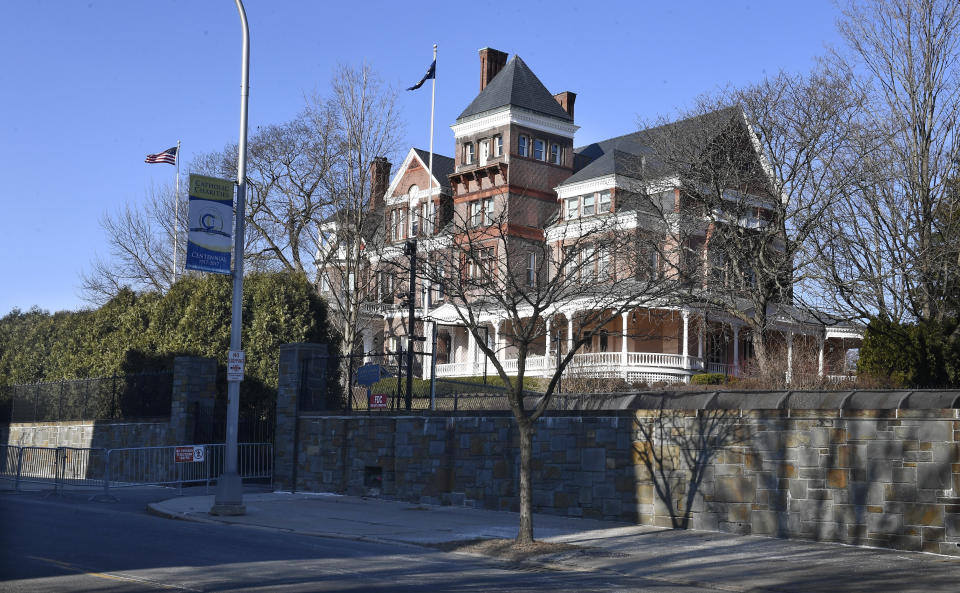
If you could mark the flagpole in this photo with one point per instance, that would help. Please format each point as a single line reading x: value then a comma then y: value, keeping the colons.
x: 433, y: 97
x: 176, y: 215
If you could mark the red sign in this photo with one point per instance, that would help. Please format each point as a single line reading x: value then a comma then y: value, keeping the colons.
x: 188, y: 454
x: 378, y: 400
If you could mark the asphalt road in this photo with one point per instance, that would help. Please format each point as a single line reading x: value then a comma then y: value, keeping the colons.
x: 68, y: 543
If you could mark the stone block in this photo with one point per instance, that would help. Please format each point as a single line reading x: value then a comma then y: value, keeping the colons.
x: 905, y: 474
x: 768, y: 523
x: 736, y: 489
x: 934, y: 476
x: 884, y: 523
x: 951, y: 522
x: 884, y: 450
x: 923, y: 514
x: 593, y: 459
x: 861, y: 429
x: 837, y: 478
x: 936, y: 430
x: 798, y: 489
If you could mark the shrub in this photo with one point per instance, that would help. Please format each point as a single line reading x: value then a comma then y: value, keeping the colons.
x: 708, y: 379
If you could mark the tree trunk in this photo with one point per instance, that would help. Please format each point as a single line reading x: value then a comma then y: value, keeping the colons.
x: 525, y: 534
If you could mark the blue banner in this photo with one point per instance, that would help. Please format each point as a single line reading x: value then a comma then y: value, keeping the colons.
x: 210, y: 240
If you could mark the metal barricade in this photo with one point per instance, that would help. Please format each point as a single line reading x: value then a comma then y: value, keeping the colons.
x: 62, y: 467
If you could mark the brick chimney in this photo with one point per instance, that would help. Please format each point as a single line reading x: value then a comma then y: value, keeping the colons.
x: 566, y: 99
x: 492, y: 62
x: 379, y: 181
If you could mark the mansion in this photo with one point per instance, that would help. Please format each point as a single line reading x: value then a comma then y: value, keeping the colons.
x: 516, y: 169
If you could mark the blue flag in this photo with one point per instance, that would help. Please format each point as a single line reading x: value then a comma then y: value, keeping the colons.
x: 431, y: 73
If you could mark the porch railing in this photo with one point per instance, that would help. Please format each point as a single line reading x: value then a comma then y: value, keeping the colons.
x: 588, y: 364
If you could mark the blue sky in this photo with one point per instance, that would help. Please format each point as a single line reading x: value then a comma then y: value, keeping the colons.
x: 90, y: 88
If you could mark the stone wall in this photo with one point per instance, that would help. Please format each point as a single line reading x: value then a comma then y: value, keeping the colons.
x: 886, y: 478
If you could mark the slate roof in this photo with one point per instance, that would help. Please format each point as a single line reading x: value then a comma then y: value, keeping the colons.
x: 634, y: 153
x: 443, y: 166
x: 518, y: 86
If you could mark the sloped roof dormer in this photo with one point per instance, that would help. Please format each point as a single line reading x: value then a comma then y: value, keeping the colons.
x: 515, y: 86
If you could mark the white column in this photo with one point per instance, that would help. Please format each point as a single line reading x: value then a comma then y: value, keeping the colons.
x: 546, y: 347
x: 496, y: 338
x: 686, y: 337
x: 700, y: 335
x: 569, y: 332
x: 736, y: 350
x: 789, y: 357
x: 427, y: 349
x: 471, y: 353
x: 820, y: 342
x: 623, y: 344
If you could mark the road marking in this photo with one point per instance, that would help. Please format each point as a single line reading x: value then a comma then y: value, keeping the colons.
x: 111, y: 576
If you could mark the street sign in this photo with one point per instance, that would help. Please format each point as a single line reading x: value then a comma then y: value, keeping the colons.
x: 189, y: 454
x: 368, y: 374
x: 236, y: 359
x: 377, y: 401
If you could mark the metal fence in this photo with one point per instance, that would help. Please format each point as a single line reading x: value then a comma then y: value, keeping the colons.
x: 142, y: 395
x: 66, y: 467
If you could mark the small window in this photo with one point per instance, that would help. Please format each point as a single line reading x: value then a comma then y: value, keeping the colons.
x: 604, y: 202
x: 555, y: 154
x: 523, y: 146
x: 588, y: 263
x: 484, y: 151
x: 603, y: 264
x: 588, y: 205
x: 488, y: 211
x: 532, y: 269
x: 497, y: 145
x: 468, y: 153
x: 573, y: 208
x: 539, y: 150
x: 475, y: 213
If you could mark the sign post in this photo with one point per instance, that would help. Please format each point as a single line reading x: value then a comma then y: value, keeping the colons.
x: 229, y: 498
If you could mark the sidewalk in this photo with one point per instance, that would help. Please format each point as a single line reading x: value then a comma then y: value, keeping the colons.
x: 715, y: 561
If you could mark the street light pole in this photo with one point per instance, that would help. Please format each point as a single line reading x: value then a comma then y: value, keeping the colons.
x: 229, y: 498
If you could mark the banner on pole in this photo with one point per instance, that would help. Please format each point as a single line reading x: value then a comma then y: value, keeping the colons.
x: 210, y: 240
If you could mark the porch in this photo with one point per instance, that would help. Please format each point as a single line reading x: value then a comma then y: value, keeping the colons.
x: 647, y: 345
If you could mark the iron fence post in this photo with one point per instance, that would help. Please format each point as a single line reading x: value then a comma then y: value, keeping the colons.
x: 58, y: 470
x: 106, y: 472
x: 16, y: 486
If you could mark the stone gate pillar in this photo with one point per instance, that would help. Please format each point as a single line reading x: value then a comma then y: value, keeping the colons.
x: 194, y: 385
x: 291, y: 375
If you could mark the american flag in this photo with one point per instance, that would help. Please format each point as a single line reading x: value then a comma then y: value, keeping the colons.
x: 168, y: 156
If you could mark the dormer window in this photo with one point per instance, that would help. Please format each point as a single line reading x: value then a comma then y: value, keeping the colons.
x: 604, y: 202
x: 589, y: 205
x: 468, y: 153
x: 555, y: 154
x: 523, y: 146
x: 539, y: 150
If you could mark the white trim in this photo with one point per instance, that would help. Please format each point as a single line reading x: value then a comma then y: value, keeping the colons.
x: 513, y: 115
x: 391, y: 200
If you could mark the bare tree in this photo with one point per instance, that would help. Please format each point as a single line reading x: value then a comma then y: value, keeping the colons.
x: 141, y: 248
x: 590, y: 270
x: 893, y: 248
x: 756, y: 181
x: 367, y: 127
